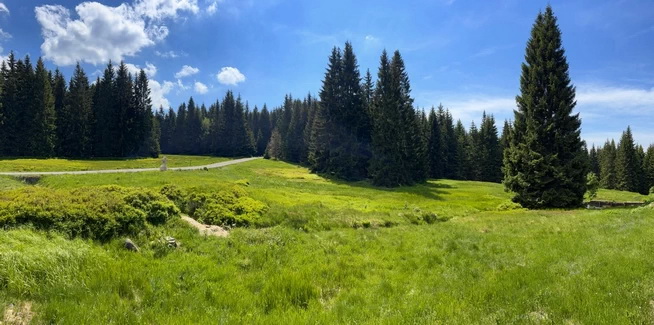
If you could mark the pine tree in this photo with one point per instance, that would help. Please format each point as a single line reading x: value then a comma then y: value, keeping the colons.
x: 398, y: 149
x: 9, y: 103
x: 626, y: 164
x: 42, y: 136
x: 265, y: 130
x: 74, y: 119
x: 607, y: 159
x: 344, y: 119
x: 593, y: 162
x: 491, y: 150
x: 103, y: 108
x: 544, y: 165
x: 435, y: 150
x: 60, y: 92
x: 460, y: 161
x: 146, y: 129
x: 449, y: 145
x: 123, y: 114
x: 648, y: 169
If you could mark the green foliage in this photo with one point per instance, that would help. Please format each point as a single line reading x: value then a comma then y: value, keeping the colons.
x: 227, y: 208
x: 592, y: 185
x: 545, y: 163
x: 100, y: 212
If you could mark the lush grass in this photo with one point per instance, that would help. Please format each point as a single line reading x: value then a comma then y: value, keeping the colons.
x: 55, y: 165
x: 614, y: 195
x: 482, y: 266
x: 301, y: 199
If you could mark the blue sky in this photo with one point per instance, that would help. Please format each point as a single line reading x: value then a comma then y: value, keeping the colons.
x: 463, y: 54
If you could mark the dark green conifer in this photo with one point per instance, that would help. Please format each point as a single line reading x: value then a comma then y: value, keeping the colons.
x: 544, y: 165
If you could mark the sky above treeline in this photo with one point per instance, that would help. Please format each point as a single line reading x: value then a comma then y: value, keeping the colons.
x: 463, y: 54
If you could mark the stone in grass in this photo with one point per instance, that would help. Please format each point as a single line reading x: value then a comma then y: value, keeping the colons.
x: 129, y: 245
x: 171, y: 242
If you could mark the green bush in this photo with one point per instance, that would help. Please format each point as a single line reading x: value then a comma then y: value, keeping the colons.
x: 230, y: 207
x: 508, y: 206
x: 92, y: 212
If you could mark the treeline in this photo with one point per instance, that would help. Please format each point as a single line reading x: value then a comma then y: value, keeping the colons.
x: 625, y: 166
x: 227, y: 128
x: 43, y: 116
x: 361, y: 129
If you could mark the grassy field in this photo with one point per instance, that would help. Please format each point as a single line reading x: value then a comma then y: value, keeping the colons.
x: 55, y: 165
x: 337, y: 252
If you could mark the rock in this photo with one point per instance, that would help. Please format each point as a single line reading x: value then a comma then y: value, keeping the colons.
x: 171, y: 242
x: 129, y: 244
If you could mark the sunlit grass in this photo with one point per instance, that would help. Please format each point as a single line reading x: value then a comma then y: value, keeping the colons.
x: 47, y: 165
x: 318, y: 265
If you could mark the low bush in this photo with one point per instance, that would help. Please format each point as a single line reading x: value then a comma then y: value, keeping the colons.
x: 230, y: 206
x: 100, y: 212
x: 509, y: 206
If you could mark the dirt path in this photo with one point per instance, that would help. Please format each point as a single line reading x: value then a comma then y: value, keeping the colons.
x: 134, y: 170
x: 206, y: 229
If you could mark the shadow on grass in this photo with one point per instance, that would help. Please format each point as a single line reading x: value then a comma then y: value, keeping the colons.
x: 429, y: 189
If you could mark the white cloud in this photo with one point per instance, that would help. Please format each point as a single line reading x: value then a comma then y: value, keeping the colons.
x: 212, y: 8
x: 371, y: 38
x: 158, y: 93
x: 150, y: 69
x: 168, y: 54
x: 629, y: 100
x: 181, y: 85
x: 160, y: 9
x: 186, y: 71
x: 101, y: 33
x: 3, y: 8
x: 605, y: 110
x: 230, y: 76
x: 201, y: 88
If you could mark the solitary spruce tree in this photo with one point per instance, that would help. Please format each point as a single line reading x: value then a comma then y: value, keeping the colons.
x: 545, y: 165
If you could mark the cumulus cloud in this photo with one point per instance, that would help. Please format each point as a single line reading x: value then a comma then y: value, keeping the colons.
x: 186, y: 71
x: 201, y: 88
x: 3, y: 8
x: 181, y: 85
x: 150, y: 69
x: 230, y: 76
x: 158, y: 93
x: 101, y: 33
x: 160, y: 9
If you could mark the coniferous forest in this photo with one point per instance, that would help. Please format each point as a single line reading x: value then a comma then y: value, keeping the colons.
x: 361, y: 126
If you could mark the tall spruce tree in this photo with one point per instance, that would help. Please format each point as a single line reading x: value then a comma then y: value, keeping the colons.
x: 41, y: 137
x: 593, y: 162
x: 74, y: 119
x: 60, y: 92
x: 607, y: 159
x: 344, y: 120
x: 398, y: 149
x: 544, y: 165
x: 435, y: 149
x: 627, y: 166
x: 491, y: 150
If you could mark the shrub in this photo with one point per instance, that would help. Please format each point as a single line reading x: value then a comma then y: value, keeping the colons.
x: 99, y: 212
x: 230, y: 207
x: 508, y: 206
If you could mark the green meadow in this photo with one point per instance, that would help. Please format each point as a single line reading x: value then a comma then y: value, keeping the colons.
x: 328, y: 251
x: 55, y: 165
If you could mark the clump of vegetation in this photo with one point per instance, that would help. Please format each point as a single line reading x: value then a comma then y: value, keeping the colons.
x: 508, y: 206
x: 227, y: 207
x: 101, y: 212
x: 418, y: 217
x: 592, y: 185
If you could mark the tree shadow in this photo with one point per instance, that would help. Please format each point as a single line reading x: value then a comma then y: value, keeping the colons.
x: 430, y: 189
